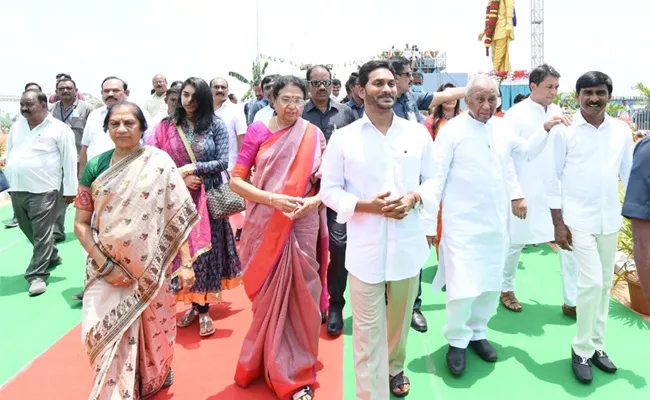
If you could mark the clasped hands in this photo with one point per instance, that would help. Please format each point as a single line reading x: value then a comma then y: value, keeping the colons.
x: 294, y: 207
x: 397, y: 208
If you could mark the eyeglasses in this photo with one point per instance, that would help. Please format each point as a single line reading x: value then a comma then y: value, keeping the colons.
x: 286, y: 101
x: 325, y: 83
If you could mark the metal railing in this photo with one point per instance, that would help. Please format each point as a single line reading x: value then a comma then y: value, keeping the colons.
x: 642, y: 119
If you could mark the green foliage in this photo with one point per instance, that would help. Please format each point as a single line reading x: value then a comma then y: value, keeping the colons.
x: 613, y: 109
x: 625, y: 242
x: 257, y: 73
x: 645, y: 91
x: 567, y: 100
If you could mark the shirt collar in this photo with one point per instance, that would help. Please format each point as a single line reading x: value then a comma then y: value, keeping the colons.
x: 578, y: 119
x: 353, y: 103
x: 366, y: 121
x: 331, y: 104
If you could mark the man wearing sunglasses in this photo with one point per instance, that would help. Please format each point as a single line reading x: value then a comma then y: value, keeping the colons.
x: 330, y: 115
x: 408, y: 106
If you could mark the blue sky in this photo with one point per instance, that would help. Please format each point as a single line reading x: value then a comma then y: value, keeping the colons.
x: 139, y: 38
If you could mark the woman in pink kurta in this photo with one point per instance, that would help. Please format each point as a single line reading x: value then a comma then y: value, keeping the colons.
x: 284, y: 246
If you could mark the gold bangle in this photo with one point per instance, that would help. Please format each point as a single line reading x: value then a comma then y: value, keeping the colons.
x: 187, y: 265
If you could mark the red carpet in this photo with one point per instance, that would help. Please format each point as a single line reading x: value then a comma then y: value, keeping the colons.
x: 203, y: 368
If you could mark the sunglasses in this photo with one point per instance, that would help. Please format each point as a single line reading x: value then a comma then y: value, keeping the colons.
x: 325, y: 83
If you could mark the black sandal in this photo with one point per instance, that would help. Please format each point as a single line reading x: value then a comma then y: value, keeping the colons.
x: 397, y: 382
x: 169, y: 380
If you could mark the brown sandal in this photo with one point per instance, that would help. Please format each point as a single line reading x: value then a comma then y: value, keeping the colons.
x: 510, y: 301
x: 398, y: 382
x: 187, y: 319
x: 206, y: 328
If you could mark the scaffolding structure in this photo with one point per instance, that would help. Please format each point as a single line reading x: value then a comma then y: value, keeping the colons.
x: 536, y: 33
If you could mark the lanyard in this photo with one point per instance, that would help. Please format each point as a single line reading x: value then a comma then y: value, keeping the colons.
x: 65, y: 117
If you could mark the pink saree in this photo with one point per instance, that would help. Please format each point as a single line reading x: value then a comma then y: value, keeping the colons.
x: 285, y: 261
x: 166, y: 138
x: 142, y: 216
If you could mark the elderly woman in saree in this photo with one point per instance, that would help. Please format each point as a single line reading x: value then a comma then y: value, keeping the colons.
x: 284, y: 245
x: 197, y: 141
x: 134, y: 216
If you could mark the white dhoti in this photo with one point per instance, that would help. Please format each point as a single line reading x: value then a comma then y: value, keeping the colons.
x: 467, y: 318
x: 380, y: 332
x: 595, y: 256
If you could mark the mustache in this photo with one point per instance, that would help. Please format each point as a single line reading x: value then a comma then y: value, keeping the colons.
x: 322, y: 91
x: 386, y: 96
x: 594, y: 104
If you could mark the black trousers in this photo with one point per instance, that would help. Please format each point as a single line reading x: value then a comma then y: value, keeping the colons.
x: 337, y: 275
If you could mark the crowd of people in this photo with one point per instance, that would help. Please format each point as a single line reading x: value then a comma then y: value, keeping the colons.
x: 339, y: 190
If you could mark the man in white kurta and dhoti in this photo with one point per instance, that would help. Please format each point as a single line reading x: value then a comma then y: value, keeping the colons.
x: 377, y: 175
x: 472, y: 153
x: 527, y: 182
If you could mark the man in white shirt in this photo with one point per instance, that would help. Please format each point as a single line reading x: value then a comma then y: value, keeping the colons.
x: 171, y: 98
x: 156, y: 103
x: 376, y: 171
x: 95, y: 140
x: 41, y: 159
x: 235, y: 121
x: 526, y: 186
x: 472, y: 153
x: 590, y: 157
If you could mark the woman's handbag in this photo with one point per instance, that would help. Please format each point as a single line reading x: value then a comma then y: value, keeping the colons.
x: 222, y: 202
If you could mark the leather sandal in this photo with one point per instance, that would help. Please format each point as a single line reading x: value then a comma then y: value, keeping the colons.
x: 510, y: 301
x: 206, y: 327
x: 398, y: 382
x: 187, y: 319
x: 303, y: 394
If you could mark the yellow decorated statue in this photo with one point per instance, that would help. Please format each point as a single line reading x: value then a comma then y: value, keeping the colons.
x: 500, y: 21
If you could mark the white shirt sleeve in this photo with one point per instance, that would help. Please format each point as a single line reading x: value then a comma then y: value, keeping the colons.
x: 68, y: 151
x: 527, y: 150
x: 554, y: 189
x: 86, y: 137
x: 426, y: 190
x: 441, y: 158
x: 626, y: 163
x: 239, y: 123
x: 332, y: 190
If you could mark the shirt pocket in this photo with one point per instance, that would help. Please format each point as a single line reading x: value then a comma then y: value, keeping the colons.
x: 77, y: 123
x: 44, y: 145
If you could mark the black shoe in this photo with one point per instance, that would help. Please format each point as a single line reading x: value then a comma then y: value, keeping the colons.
x: 581, y: 368
x: 323, y: 317
x: 484, y: 350
x: 12, y: 224
x: 456, y: 360
x: 334, y: 322
x: 238, y: 234
x: 78, y: 297
x: 59, y: 239
x: 418, y: 322
x: 601, y: 360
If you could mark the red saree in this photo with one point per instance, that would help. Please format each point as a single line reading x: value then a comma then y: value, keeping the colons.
x: 285, y: 261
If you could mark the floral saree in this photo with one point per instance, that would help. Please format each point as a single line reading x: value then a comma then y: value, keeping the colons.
x: 143, y: 213
x: 285, y: 261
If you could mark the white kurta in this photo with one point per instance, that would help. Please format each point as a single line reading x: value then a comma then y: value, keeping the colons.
x: 361, y: 163
x: 530, y: 179
x: 471, y: 160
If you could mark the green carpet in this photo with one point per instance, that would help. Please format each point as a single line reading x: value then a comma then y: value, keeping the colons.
x: 32, y: 325
x: 534, y: 346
